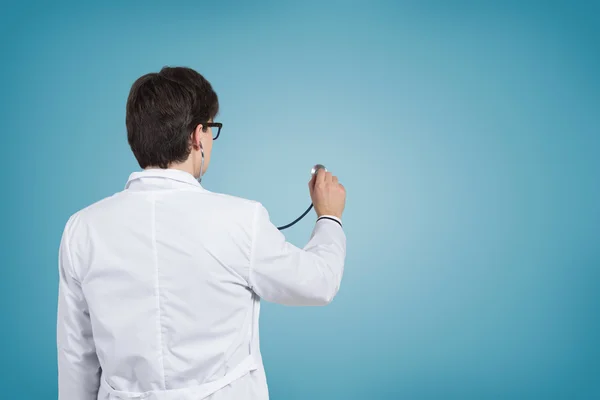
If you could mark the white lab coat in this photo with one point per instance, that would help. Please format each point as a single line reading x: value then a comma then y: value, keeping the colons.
x: 160, y: 285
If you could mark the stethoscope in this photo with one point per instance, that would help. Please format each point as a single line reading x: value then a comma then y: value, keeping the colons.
x: 313, y: 172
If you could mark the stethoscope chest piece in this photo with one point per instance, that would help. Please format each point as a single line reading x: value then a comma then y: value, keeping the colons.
x: 316, y: 168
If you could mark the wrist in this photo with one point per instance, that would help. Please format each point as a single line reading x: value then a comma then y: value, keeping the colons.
x: 329, y: 214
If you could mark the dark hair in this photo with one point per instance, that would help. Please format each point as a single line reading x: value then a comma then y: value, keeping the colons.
x: 163, y: 109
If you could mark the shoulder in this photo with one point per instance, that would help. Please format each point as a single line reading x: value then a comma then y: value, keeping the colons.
x: 237, y: 208
x: 86, y: 216
x: 220, y: 206
x: 231, y: 200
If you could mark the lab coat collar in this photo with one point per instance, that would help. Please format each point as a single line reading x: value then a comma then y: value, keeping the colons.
x: 173, y: 174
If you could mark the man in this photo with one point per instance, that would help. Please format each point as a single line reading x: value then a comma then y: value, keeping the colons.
x: 160, y: 283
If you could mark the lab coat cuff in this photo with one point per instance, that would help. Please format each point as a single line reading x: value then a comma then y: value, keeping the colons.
x: 331, y: 218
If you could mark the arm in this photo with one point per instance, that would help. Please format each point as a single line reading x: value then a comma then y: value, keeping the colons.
x: 78, y: 365
x: 285, y: 274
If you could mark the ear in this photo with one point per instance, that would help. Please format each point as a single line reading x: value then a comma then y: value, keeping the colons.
x: 195, y: 137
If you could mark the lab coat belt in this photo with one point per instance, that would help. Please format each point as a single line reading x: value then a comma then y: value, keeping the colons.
x: 195, y: 392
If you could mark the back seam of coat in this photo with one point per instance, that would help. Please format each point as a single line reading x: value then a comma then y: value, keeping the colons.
x: 157, y: 295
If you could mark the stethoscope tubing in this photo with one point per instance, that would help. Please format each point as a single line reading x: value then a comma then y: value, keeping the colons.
x: 313, y: 172
x: 297, y: 219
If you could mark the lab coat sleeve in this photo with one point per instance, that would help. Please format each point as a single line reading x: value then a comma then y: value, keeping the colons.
x: 283, y: 273
x: 78, y: 365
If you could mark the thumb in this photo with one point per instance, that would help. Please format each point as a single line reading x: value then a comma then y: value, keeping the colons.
x: 311, y: 183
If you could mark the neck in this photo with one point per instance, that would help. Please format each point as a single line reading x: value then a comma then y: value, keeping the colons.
x: 185, y: 166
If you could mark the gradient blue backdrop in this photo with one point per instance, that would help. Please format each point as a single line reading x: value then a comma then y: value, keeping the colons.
x: 467, y: 136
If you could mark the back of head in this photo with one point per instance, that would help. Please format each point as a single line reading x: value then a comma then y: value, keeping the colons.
x: 163, y: 110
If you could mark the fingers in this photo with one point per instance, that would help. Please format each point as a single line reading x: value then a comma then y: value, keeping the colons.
x: 322, y: 177
x: 321, y: 174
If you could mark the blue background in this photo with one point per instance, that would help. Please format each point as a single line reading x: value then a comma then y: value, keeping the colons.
x: 467, y: 136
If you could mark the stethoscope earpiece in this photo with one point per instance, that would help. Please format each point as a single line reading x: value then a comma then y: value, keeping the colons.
x: 201, y: 163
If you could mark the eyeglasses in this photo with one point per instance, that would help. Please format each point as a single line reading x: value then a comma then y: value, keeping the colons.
x: 217, y: 125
